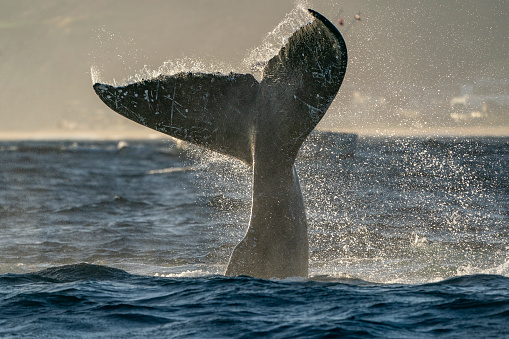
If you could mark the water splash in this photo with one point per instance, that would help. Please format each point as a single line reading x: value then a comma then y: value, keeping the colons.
x: 115, y: 53
x: 414, y: 210
x: 258, y: 57
x: 111, y: 43
x: 96, y: 74
x: 171, y: 67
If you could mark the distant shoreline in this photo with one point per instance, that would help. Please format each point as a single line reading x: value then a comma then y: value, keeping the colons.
x: 82, y: 135
x: 501, y: 131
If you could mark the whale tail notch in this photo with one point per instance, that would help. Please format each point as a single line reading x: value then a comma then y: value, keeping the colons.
x: 262, y: 124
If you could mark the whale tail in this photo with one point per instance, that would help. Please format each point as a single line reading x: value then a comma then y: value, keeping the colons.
x: 261, y: 123
x: 221, y: 111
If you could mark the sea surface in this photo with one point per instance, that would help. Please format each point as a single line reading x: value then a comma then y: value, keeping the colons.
x: 408, y: 239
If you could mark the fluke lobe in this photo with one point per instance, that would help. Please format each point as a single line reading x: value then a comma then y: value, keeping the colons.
x: 261, y: 123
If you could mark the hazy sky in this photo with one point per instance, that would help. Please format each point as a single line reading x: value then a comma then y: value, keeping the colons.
x: 47, y: 47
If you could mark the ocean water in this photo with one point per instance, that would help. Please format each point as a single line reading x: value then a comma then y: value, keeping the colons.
x: 408, y: 239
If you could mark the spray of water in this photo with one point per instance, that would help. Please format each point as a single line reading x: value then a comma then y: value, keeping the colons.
x: 409, y: 211
x: 259, y: 56
x: 96, y: 74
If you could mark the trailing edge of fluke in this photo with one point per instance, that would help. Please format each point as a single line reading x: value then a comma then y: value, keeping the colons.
x: 261, y: 123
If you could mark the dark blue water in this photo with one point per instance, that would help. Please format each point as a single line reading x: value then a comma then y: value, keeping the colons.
x: 408, y: 238
x: 97, y: 301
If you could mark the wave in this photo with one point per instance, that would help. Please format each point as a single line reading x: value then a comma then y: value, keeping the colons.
x: 103, y: 205
x: 141, y: 147
x: 82, y: 271
x: 100, y: 301
x: 485, y: 280
x: 42, y: 147
x: 89, y: 272
x: 170, y: 170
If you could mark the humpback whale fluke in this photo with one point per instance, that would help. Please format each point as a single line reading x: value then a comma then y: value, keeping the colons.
x: 261, y: 123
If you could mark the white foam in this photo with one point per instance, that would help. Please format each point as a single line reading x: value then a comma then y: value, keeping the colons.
x: 502, y: 269
x: 185, y: 274
x: 170, y: 170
